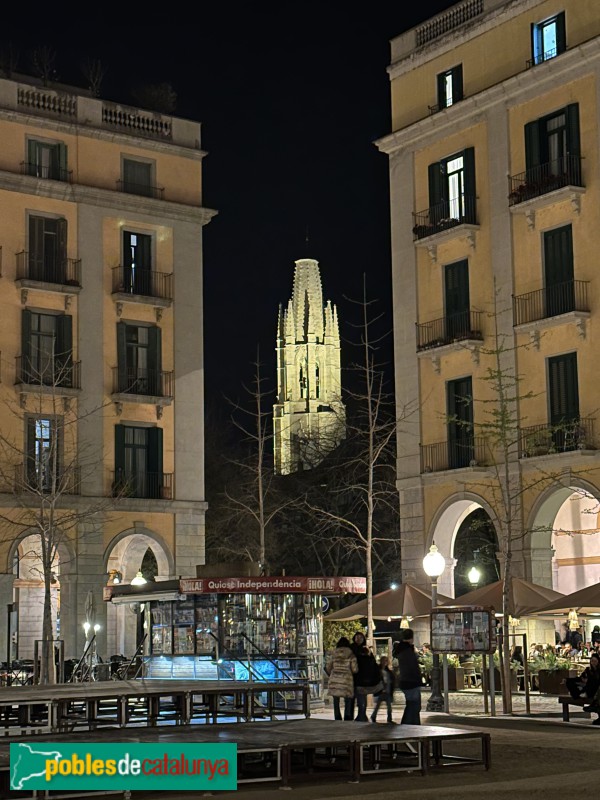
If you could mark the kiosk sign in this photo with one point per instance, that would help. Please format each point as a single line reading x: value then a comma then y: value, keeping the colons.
x: 463, y: 629
x: 275, y: 584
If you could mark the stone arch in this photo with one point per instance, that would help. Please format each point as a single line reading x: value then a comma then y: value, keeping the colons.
x: 541, y: 524
x: 444, y: 526
x: 125, y: 553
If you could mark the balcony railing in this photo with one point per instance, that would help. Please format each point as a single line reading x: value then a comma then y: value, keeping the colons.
x: 444, y: 23
x: 141, y: 189
x: 37, y: 267
x: 445, y: 330
x: 48, y: 172
x: 132, y: 380
x: 535, y: 182
x: 57, y: 373
x: 44, y: 479
x: 144, y: 282
x: 150, y: 485
x: 551, y: 302
x: 570, y: 435
x: 444, y: 216
x: 541, y: 57
x: 468, y: 452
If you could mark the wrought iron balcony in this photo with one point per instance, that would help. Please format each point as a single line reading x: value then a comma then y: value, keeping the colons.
x: 445, y: 330
x: 535, y: 182
x: 38, y: 267
x: 142, y: 282
x: 151, y: 382
x: 444, y: 216
x: 58, y: 373
x: 570, y: 435
x: 141, y: 189
x: 551, y: 302
x: 150, y: 485
x: 46, y: 479
x: 541, y: 57
x: 49, y: 172
x: 468, y: 452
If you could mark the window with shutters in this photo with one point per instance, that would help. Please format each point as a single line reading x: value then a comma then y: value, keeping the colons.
x: 563, y: 400
x: 139, y: 359
x: 47, y: 349
x: 47, y: 256
x: 451, y: 191
x: 559, y: 275
x: 42, y: 448
x: 456, y: 300
x: 459, y: 395
x: 450, y: 87
x: 548, y: 39
x: 138, y: 178
x: 138, y: 462
x: 47, y: 160
x: 137, y: 263
x: 552, y: 155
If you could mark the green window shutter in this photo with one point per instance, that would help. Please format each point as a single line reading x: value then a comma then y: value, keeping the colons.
x: 441, y: 90
x: 155, y: 462
x: 32, y: 156
x: 564, y: 390
x: 36, y: 248
x: 30, y: 449
x: 532, y: 145
x: 437, y: 184
x: 558, y: 256
x: 119, y: 451
x: 154, y: 360
x: 62, y: 161
x: 122, y: 355
x: 144, y: 254
x: 573, y: 145
x: 456, y: 288
x: 64, y: 350
x: 470, y: 189
x: 457, y: 83
x: 26, y: 344
x: 561, y: 33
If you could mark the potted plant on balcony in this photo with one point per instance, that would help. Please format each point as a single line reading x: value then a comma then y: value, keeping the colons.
x: 539, y: 443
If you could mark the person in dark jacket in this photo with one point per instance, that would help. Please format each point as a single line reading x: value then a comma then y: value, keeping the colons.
x: 588, y: 682
x: 386, y: 695
x: 596, y: 636
x: 366, y: 681
x: 410, y: 677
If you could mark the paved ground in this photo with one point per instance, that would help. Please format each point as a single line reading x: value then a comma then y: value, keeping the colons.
x: 536, y: 756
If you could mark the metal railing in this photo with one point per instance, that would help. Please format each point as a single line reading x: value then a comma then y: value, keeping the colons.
x: 550, y: 302
x: 45, y: 479
x: 37, y: 267
x: 144, y: 282
x: 151, y: 382
x: 445, y: 330
x: 565, y: 437
x: 537, y: 181
x: 57, y: 373
x: 149, y: 485
x: 141, y: 189
x: 444, y: 216
x: 46, y: 171
x: 441, y: 456
x: 541, y: 57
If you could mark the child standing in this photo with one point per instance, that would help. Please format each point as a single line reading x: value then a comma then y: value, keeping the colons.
x: 387, y: 693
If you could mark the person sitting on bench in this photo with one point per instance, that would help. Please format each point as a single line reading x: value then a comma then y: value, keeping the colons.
x: 588, y: 684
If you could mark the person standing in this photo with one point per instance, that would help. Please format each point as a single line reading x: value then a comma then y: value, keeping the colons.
x: 386, y: 695
x: 341, y: 668
x: 410, y: 677
x: 366, y: 681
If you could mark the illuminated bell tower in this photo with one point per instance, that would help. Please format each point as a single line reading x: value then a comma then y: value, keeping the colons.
x: 308, y: 417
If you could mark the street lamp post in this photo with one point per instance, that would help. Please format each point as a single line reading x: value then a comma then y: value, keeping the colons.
x: 434, y: 564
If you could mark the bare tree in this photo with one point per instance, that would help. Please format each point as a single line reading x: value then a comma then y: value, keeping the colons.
x: 43, y: 60
x: 9, y: 59
x: 93, y: 71
x: 361, y: 515
x: 43, y: 471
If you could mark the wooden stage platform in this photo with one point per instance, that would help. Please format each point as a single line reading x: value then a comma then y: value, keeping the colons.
x: 66, y: 706
x: 288, y: 751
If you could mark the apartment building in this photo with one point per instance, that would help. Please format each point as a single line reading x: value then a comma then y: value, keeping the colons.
x: 495, y: 182
x: 102, y: 356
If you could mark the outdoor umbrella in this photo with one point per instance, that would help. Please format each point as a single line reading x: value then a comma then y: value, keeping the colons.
x: 405, y: 601
x: 584, y: 601
x: 524, y: 597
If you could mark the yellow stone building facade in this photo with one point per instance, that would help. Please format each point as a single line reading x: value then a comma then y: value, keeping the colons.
x: 495, y: 184
x: 102, y: 354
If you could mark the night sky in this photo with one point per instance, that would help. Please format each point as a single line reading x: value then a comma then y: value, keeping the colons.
x: 291, y: 98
